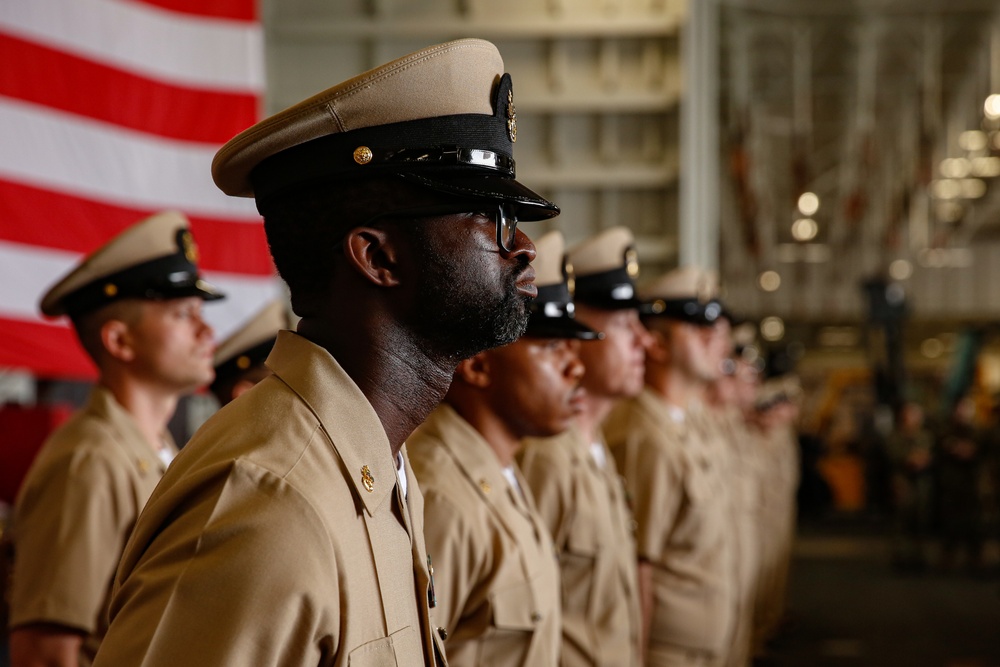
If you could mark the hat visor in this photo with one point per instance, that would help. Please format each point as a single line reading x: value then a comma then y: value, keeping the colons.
x: 560, y: 327
x: 529, y: 205
x: 199, y: 288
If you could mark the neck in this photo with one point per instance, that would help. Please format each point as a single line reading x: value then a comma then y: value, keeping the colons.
x: 495, y: 431
x: 673, y: 386
x: 595, y: 410
x: 402, y: 383
x: 151, y: 407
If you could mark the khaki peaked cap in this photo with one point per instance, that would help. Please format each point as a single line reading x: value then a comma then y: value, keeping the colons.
x: 552, y: 311
x: 251, y: 343
x: 606, y: 266
x: 689, y: 294
x: 156, y: 258
x: 442, y: 118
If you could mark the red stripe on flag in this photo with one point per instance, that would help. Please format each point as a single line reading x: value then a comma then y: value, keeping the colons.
x: 63, y: 357
x: 56, y: 79
x: 241, y: 10
x: 56, y: 220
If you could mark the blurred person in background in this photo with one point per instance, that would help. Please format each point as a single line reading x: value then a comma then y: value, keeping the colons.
x: 136, y: 307
x: 959, y: 471
x: 775, y: 419
x: 910, y: 450
x: 239, y: 359
x: 675, y: 471
x: 731, y: 401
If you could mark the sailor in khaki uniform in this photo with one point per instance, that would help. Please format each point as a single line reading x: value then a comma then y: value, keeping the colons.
x: 573, y: 477
x: 776, y: 413
x: 290, y: 529
x: 731, y: 401
x: 135, y: 304
x: 239, y: 359
x: 674, y: 475
x: 495, y: 570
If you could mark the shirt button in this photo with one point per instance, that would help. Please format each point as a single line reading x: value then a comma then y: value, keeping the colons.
x: 442, y: 633
x: 535, y: 617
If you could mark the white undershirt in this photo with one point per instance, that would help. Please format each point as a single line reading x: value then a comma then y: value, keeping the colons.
x: 676, y: 413
x: 597, y: 451
x: 166, y: 455
x: 401, y: 473
x: 508, y: 472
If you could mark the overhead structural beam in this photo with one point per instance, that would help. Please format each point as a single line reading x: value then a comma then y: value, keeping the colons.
x: 700, y: 117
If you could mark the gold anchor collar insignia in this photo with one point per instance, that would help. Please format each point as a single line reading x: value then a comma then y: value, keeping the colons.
x: 367, y: 479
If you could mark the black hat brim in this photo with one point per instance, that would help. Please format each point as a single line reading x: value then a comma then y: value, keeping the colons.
x: 529, y: 205
x: 560, y: 327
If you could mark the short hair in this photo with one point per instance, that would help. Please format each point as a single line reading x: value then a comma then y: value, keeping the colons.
x: 304, y: 225
x: 88, y: 325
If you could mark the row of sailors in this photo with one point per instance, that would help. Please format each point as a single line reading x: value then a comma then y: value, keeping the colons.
x: 580, y: 496
x: 631, y: 440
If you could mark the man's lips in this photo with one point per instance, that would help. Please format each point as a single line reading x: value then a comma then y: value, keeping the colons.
x: 526, y: 282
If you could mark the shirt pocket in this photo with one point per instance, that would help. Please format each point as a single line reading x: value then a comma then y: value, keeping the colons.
x: 400, y: 649
x: 514, y: 607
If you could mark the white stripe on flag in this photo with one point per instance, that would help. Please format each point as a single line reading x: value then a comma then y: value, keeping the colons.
x: 215, y: 53
x: 27, y: 272
x: 52, y: 150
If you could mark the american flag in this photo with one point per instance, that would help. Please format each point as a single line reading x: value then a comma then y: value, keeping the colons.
x: 111, y: 110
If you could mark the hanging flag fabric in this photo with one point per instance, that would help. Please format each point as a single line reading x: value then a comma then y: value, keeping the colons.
x: 111, y: 110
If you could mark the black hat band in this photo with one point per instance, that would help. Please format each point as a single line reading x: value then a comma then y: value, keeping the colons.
x: 611, y: 289
x: 687, y: 310
x: 245, y: 360
x: 463, y: 142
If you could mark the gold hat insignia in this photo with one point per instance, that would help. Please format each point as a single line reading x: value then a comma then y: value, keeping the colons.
x: 511, y: 117
x: 632, y: 262
x: 189, y: 247
x: 569, y: 275
x: 367, y: 479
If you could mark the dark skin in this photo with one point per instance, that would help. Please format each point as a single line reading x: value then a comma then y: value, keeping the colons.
x: 363, y: 319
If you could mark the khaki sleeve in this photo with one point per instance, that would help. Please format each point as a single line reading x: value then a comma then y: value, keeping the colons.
x: 243, y: 573
x: 656, y: 491
x: 460, y: 556
x: 70, y: 529
x: 549, y: 481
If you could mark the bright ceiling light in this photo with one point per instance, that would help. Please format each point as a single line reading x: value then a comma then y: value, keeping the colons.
x: 973, y: 140
x: 986, y: 167
x: 808, y: 203
x: 900, y: 269
x: 932, y: 348
x: 972, y: 188
x: 955, y: 167
x: 772, y: 328
x: 769, y: 281
x: 946, y: 189
x: 992, y: 107
x: 804, y: 229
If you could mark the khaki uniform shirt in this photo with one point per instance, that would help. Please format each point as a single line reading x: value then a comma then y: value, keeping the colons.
x: 496, y: 575
x: 279, y: 536
x: 74, y: 514
x: 742, y: 453
x: 680, y: 502
x: 583, y: 504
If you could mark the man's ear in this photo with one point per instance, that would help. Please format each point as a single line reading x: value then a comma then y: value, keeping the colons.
x: 475, y: 372
x: 373, y: 253
x: 116, y: 338
x: 658, y: 348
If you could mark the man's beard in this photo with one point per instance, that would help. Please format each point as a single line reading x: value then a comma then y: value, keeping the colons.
x: 460, y: 311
